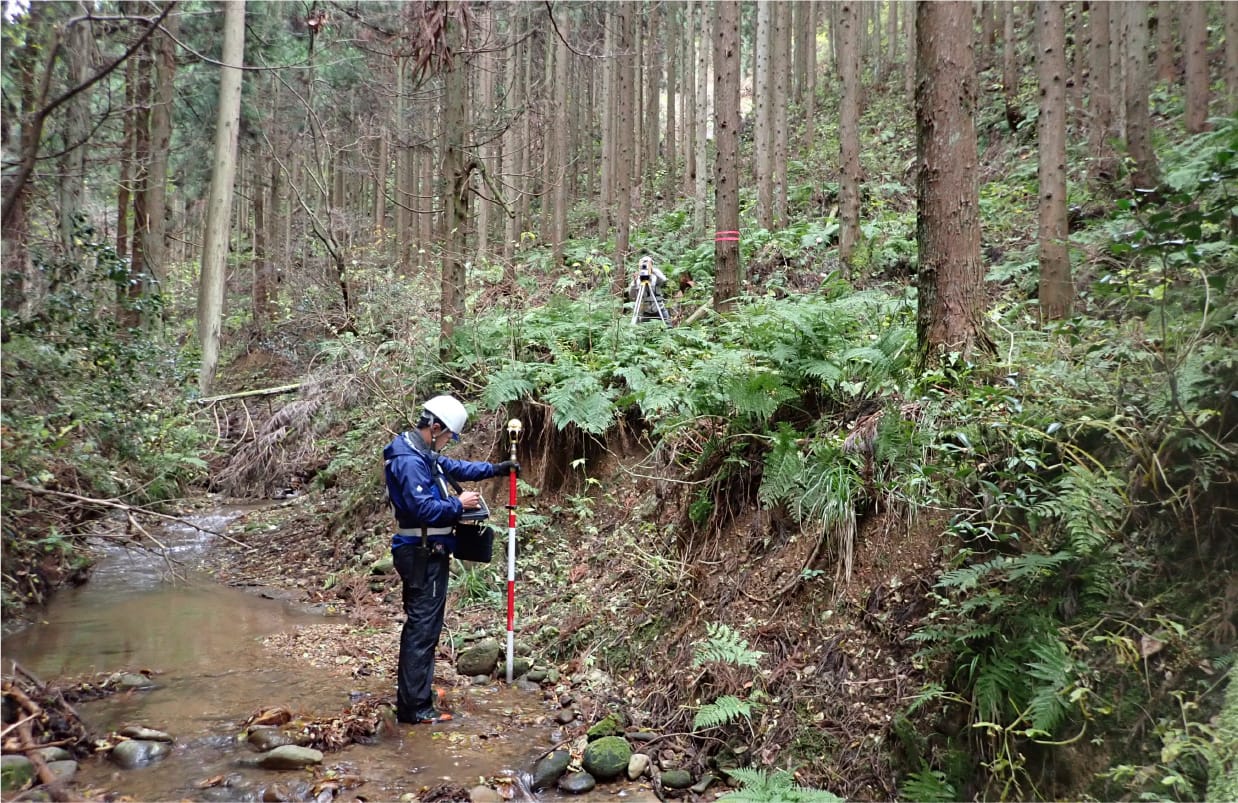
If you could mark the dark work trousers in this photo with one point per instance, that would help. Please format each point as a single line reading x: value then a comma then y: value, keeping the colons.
x: 423, y: 623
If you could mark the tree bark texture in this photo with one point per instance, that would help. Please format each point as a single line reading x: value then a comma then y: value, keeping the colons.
x: 561, y: 157
x: 726, y: 165
x: 1145, y: 174
x: 1118, y: 13
x: 951, y: 275
x: 219, y: 204
x: 1056, y: 288
x: 139, y: 272
x: 1195, y: 43
x: 609, y: 127
x: 625, y: 137
x: 1100, y: 108
x: 1163, y: 22
x: 781, y: 64
x: 456, y: 172
x: 849, y: 131
x: 654, y: 45
x: 1231, y: 58
x: 76, y: 132
x: 809, y: 78
x: 124, y: 162
x: 691, y: 42
x: 156, y: 246
x: 763, y: 101
x: 701, y: 138
x: 670, y: 153
x: 1010, y: 68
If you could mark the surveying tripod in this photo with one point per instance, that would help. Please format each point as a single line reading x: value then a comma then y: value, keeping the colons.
x: 646, y: 293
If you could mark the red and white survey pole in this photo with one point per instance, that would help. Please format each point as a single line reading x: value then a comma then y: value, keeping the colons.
x: 513, y: 435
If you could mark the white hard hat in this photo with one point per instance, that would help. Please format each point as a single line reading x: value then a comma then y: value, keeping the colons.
x: 449, y: 411
x: 646, y: 261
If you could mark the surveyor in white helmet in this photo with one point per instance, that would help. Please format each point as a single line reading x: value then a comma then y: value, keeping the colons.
x: 649, y: 275
x: 419, y: 485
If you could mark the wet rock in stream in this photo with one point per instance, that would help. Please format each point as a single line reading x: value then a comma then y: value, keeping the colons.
x: 577, y: 783
x: 286, y: 757
x: 133, y: 753
x: 547, y: 771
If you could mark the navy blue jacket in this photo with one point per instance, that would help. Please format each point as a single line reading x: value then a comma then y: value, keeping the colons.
x: 419, y: 496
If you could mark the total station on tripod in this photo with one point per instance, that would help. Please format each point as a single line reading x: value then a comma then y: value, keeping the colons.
x: 646, y: 293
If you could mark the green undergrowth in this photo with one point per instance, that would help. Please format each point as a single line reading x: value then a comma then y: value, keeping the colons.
x: 1083, y: 473
x: 92, y: 411
x: 1085, y: 466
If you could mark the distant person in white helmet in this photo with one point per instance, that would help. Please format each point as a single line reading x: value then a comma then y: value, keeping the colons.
x: 419, y: 484
x: 646, y: 291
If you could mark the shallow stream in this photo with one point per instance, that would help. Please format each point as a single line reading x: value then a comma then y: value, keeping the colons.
x: 201, y: 642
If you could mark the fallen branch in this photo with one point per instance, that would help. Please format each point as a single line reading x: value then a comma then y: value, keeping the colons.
x: 31, y: 748
x: 112, y: 503
x: 17, y: 724
x: 698, y: 314
x: 29, y: 745
x: 247, y: 393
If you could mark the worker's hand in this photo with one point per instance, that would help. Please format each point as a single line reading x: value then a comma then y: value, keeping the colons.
x: 505, y: 467
x: 470, y: 500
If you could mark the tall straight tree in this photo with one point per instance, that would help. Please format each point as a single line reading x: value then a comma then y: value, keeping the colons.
x: 1145, y: 174
x: 219, y: 203
x: 849, y: 129
x: 1231, y: 58
x: 650, y: 102
x: 1195, y: 43
x: 949, y: 315
x: 1100, y: 108
x: 763, y: 99
x: 781, y: 63
x: 563, y: 127
x: 610, y: 153
x: 160, y: 143
x: 487, y: 67
x: 1056, y: 288
x: 726, y: 160
x: 625, y: 134
x: 72, y: 179
x: 139, y: 272
x: 124, y: 160
x: 691, y: 41
x: 701, y: 138
x: 1010, y: 68
x: 674, y: 34
x: 806, y: 70
x: 457, y: 168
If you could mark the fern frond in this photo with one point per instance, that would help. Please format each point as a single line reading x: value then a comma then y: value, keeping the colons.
x: 725, y: 646
x: 725, y: 709
x: 1035, y: 565
x: 779, y: 787
x: 996, y: 679
x: 581, y: 400
x: 927, y: 786
x: 512, y: 382
x: 822, y: 368
x: 784, y: 468
x: 1055, y: 670
x: 968, y: 577
x: 1093, y: 506
x: 757, y: 393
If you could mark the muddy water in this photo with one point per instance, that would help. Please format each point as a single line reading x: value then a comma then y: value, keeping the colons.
x: 201, y: 642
